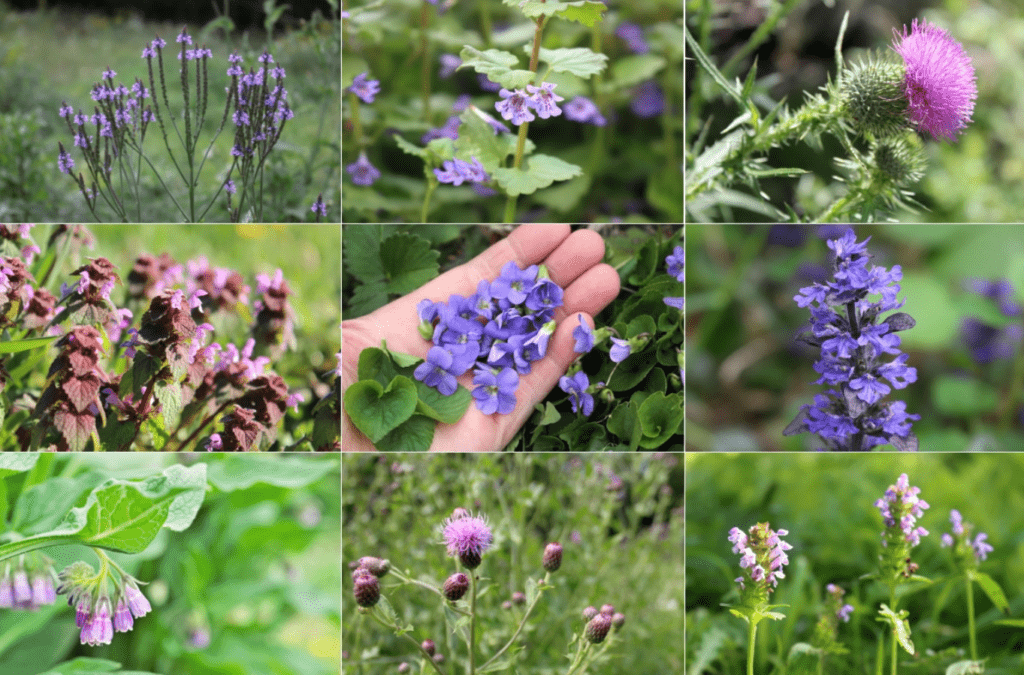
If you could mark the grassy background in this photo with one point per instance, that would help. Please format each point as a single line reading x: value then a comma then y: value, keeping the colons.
x: 52, y: 56
x: 826, y: 503
x: 629, y: 554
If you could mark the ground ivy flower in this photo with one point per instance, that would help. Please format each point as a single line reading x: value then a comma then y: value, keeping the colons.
x: 854, y: 338
x: 365, y: 88
x: 576, y: 386
x: 544, y: 100
x: 939, y: 81
x: 455, y: 171
x: 467, y: 538
x: 582, y: 109
x: 515, y: 106
x: 362, y: 172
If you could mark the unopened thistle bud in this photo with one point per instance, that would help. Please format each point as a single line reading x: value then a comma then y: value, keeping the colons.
x: 608, y: 609
x: 873, y: 98
x: 376, y: 566
x: 618, y: 619
x: 438, y: 658
x: 901, y: 159
x: 597, y: 629
x: 429, y: 647
x: 518, y: 598
x: 552, y: 557
x: 456, y: 586
x: 367, y: 590
x: 589, y: 613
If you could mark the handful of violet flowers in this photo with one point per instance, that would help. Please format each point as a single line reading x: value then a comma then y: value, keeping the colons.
x: 854, y: 338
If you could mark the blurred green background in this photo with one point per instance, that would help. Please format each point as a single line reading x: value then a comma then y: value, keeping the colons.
x: 747, y: 376
x: 976, y: 179
x: 619, y: 520
x: 255, y: 576
x: 826, y: 503
x: 50, y: 56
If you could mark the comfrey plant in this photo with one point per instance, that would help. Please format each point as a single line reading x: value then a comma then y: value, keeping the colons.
x: 467, y: 538
x: 872, y: 108
x: 762, y: 557
x: 855, y: 341
x: 900, y: 508
x: 117, y: 515
x: 136, y: 365
x: 111, y: 139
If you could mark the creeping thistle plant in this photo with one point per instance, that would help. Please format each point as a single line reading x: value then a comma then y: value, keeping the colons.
x: 876, y: 109
x: 112, y: 138
x: 468, y: 538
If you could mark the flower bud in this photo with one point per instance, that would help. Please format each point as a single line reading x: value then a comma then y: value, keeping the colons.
x: 597, y: 629
x: 873, y: 98
x: 376, y: 566
x: 367, y: 590
x: 518, y: 598
x: 608, y: 609
x: 618, y: 619
x: 456, y: 586
x: 901, y: 159
x: 471, y: 559
x: 589, y: 613
x: 404, y: 667
x: 459, y: 512
x: 361, y: 572
x: 438, y: 658
x: 429, y: 647
x: 507, y: 605
x: 552, y: 557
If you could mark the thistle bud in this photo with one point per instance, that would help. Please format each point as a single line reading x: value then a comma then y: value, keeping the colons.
x: 552, y: 557
x: 597, y: 629
x: 376, y: 566
x: 618, y: 619
x: 471, y: 559
x: 518, y: 598
x: 429, y: 647
x: 404, y: 667
x: 438, y: 658
x: 507, y: 605
x: 873, y: 98
x: 459, y: 512
x: 456, y: 586
x: 367, y: 590
x: 589, y: 613
x: 608, y: 609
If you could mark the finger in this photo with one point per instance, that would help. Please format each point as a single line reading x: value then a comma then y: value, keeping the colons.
x: 590, y: 293
x: 578, y: 253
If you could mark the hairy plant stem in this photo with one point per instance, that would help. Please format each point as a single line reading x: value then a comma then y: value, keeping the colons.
x: 390, y: 626
x: 895, y: 641
x: 425, y: 52
x: 970, y: 619
x: 538, y: 32
x: 472, y: 623
x: 432, y: 184
x: 751, y: 640
x: 519, y: 629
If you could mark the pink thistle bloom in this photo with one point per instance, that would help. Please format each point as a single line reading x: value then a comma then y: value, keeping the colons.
x: 939, y: 83
x: 468, y: 534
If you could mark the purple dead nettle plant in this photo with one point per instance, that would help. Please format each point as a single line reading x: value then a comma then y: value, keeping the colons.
x: 467, y: 538
x: 900, y: 508
x: 111, y: 139
x: 855, y: 342
x: 762, y: 556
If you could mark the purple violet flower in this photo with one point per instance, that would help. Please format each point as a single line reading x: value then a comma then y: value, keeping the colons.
x: 939, y: 83
x: 584, y: 336
x: 496, y: 390
x: 514, y: 284
x: 363, y: 173
x: 620, y: 350
x: 365, y: 88
x: 576, y: 386
x: 676, y: 263
x: 436, y: 371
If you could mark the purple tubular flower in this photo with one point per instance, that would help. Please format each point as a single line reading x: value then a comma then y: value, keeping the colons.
x: 65, y: 163
x: 854, y: 338
x: 436, y: 371
x: 576, y: 386
x: 514, y: 107
x: 455, y: 171
x: 449, y: 63
x: 43, y: 592
x: 365, y: 88
x: 634, y: 37
x: 939, y: 82
x: 123, y: 621
x: 496, y: 390
x: 648, y: 100
x: 362, y: 172
x: 137, y: 602
x: 544, y: 100
x: 762, y: 555
x: 677, y: 302
x: 844, y: 613
x: 22, y: 589
x: 582, y: 109
x: 319, y: 208
x: 620, y: 350
x: 584, y: 336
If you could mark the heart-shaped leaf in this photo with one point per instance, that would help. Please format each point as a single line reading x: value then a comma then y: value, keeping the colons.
x: 375, y: 410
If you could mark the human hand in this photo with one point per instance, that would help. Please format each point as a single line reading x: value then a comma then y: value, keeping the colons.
x: 574, y: 262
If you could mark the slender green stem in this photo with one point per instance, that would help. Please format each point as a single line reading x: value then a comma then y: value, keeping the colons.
x: 538, y: 32
x: 1013, y: 394
x: 379, y: 619
x: 751, y: 640
x: 970, y: 619
x: 472, y: 623
x: 892, y: 600
x: 432, y: 184
x: 357, y: 123
x: 22, y: 546
x: 425, y: 51
x: 581, y: 654
x: 519, y: 629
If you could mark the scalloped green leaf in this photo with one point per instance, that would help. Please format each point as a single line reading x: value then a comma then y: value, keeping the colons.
x: 413, y: 435
x: 585, y: 12
x: 540, y: 172
x: 408, y: 262
x: 241, y: 472
x: 578, y: 61
x: 16, y: 463
x: 498, y: 65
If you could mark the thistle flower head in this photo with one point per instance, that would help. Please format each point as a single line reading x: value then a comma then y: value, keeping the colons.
x: 366, y: 590
x: 939, y: 82
x: 597, y: 628
x: 552, y: 557
x: 467, y: 538
x: 375, y: 566
x: 456, y: 586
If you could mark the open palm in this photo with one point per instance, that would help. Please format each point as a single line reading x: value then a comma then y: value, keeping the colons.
x: 574, y: 262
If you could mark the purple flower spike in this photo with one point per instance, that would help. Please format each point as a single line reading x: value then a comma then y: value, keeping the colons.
x: 584, y: 336
x: 762, y: 557
x: 515, y: 106
x: 939, y: 83
x: 496, y: 390
x: 362, y: 172
x: 436, y: 371
x: 365, y: 88
x: 544, y: 100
